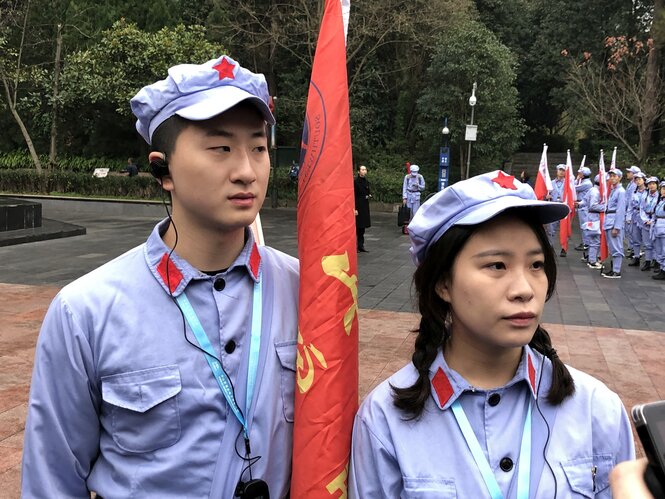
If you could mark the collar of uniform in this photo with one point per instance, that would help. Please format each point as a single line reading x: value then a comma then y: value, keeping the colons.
x: 181, y: 272
x: 448, y: 385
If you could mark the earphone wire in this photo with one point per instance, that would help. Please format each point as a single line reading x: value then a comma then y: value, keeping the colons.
x: 547, y: 439
x: 182, y: 314
x: 248, y: 458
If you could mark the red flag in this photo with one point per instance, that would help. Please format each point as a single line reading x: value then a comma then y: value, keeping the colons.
x: 543, y: 180
x: 327, y: 359
x: 569, y: 198
x: 603, y: 188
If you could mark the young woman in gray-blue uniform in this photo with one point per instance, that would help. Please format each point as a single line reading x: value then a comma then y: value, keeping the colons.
x: 486, y: 408
x: 647, y: 209
x: 615, y: 218
x: 582, y: 186
x: 633, y: 221
x: 169, y: 372
x: 659, y: 233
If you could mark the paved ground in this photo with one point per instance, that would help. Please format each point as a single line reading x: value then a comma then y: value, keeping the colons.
x: 614, y: 330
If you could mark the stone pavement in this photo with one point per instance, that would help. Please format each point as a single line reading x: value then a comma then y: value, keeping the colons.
x: 614, y: 330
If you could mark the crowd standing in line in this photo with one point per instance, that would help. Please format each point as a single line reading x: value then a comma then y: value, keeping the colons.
x: 632, y: 220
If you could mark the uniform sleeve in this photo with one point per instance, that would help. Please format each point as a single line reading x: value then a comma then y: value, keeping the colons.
x: 374, y: 471
x: 595, y: 205
x: 421, y: 183
x: 62, y: 427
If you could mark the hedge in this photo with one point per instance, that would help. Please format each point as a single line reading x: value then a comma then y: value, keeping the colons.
x: 386, y: 185
x: 83, y: 184
x: 19, y: 160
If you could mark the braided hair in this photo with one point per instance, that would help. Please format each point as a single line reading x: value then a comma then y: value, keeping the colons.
x: 434, y: 329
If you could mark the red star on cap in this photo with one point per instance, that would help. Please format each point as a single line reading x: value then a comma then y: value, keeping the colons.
x: 225, y: 69
x: 505, y: 181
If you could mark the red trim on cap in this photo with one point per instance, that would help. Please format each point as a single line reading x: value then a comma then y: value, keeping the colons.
x: 442, y: 387
x: 225, y: 69
x: 505, y: 181
x: 255, y: 261
x: 532, y: 373
x: 174, y: 276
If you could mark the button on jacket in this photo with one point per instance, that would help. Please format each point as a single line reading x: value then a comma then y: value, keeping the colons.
x: 428, y: 457
x: 121, y: 404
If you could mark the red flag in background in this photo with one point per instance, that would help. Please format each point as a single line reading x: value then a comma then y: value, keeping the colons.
x: 602, y: 187
x: 327, y: 356
x: 543, y: 180
x: 569, y: 198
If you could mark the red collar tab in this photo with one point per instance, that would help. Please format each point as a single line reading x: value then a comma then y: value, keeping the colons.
x: 442, y: 387
x: 255, y: 262
x: 532, y: 373
x: 174, y: 276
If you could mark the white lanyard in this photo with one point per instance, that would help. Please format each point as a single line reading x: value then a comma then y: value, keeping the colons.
x: 524, y: 466
x: 220, y: 375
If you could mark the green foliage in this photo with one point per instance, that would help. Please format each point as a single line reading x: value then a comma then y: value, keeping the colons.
x: 469, y: 53
x: 75, y: 164
x: 29, y: 182
x: 126, y: 59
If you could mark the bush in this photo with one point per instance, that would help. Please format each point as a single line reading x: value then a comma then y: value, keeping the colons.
x: 21, y: 160
x: 26, y: 181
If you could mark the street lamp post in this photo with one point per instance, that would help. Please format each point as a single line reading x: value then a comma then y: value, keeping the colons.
x: 470, y: 129
x: 444, y: 157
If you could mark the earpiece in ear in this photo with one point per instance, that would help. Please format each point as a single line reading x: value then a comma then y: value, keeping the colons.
x: 159, y: 167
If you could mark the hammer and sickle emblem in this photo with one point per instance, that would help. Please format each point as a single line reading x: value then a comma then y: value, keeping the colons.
x: 339, y: 483
x: 305, y: 382
x: 338, y: 266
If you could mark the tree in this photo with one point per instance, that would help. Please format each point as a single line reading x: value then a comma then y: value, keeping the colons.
x: 623, y: 93
x: 98, y: 82
x: 468, y: 53
x: 13, y: 71
x: 536, y: 31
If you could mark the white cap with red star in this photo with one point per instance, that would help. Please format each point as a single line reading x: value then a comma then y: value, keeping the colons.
x: 199, y: 92
x: 474, y: 201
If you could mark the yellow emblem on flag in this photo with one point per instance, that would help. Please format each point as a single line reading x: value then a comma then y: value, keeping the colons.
x: 339, y: 483
x: 337, y: 266
x: 305, y: 382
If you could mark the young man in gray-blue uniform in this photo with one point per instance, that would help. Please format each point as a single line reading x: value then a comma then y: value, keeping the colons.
x: 615, y: 218
x: 124, y: 401
x: 413, y: 185
x: 582, y: 186
x: 556, y: 195
x: 631, y: 186
x: 634, y: 223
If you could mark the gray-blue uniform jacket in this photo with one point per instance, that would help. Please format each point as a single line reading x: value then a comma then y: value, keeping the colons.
x: 395, y: 457
x: 122, y: 404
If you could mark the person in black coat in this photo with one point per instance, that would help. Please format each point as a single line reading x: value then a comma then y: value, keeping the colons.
x: 362, y: 196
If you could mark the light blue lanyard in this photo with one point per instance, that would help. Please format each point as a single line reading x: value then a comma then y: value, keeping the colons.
x: 254, y: 347
x: 524, y: 466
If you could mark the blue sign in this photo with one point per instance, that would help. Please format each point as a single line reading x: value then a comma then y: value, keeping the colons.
x: 444, y: 164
